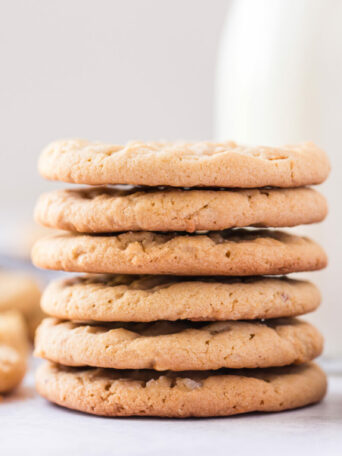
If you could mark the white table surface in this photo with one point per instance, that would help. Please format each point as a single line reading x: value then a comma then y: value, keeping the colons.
x: 31, y: 425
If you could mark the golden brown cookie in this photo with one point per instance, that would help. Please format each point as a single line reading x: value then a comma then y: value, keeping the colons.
x: 181, y: 394
x: 21, y: 292
x: 232, y: 252
x: 105, y: 210
x: 13, y: 350
x: 201, y: 164
x: 178, y: 346
x: 149, y: 298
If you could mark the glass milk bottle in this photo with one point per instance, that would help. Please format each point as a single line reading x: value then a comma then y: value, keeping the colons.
x: 279, y: 81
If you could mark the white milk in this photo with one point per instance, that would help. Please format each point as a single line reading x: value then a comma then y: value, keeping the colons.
x: 279, y: 81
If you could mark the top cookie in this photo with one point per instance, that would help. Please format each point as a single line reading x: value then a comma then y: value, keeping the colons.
x: 201, y: 164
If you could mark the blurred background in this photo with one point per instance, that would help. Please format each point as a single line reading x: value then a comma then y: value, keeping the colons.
x: 256, y: 71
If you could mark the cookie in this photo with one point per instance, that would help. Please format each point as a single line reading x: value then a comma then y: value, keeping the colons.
x: 232, y: 252
x: 149, y: 298
x: 21, y: 292
x: 105, y: 210
x: 178, y: 346
x: 18, y: 291
x: 181, y: 394
x: 13, y: 350
x: 201, y: 164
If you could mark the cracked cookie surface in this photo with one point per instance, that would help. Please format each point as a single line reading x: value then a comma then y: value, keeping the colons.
x: 178, y: 346
x: 205, y: 164
x: 236, y: 252
x: 149, y: 298
x: 105, y: 210
x: 183, y: 394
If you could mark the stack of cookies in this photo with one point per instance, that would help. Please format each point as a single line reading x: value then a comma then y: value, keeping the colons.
x: 185, y: 311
